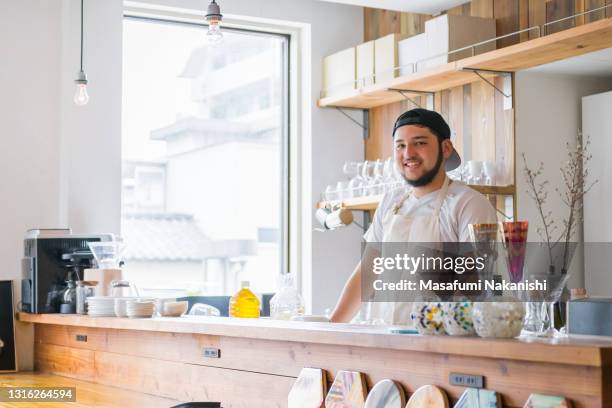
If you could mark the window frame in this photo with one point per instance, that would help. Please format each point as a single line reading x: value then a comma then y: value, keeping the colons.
x: 290, y: 247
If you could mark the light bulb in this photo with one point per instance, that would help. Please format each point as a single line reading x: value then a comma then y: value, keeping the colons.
x: 214, y: 35
x: 80, y: 96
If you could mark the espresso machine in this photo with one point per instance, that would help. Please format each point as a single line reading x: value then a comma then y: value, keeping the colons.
x: 52, y: 259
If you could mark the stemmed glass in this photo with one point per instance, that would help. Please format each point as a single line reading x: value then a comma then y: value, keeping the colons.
x: 474, y: 172
x: 488, y: 170
x: 377, y: 180
x: 367, y: 174
x: 388, y: 176
x: 355, y: 187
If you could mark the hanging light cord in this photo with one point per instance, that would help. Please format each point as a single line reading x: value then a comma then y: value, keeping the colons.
x: 81, y: 35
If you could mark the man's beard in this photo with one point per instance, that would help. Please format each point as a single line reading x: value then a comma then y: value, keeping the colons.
x: 428, y: 177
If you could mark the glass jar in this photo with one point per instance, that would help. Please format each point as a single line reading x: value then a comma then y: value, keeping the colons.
x: 84, y: 290
x: 428, y: 318
x: 123, y: 288
x: 458, y: 318
x: 287, y: 302
x: 498, y: 319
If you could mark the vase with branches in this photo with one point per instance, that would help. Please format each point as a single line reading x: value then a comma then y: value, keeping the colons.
x: 557, y: 236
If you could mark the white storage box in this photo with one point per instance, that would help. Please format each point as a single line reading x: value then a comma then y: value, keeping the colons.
x: 339, y: 72
x: 365, y: 64
x: 410, y: 50
x: 451, y: 32
x: 386, y: 57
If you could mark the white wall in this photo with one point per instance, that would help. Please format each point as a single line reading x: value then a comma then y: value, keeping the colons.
x: 597, y: 123
x: 548, y: 115
x: 90, y: 169
x: 61, y: 164
x: 29, y: 113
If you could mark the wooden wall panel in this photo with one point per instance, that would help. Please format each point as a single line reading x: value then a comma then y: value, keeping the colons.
x: 482, y: 8
x: 537, y: 15
x: 579, y: 8
x: 504, y: 136
x: 380, y: 143
x: 507, y: 19
x: 483, y: 122
x: 557, y: 9
x: 380, y: 22
x: 412, y: 23
x: 524, y: 19
x: 593, y: 4
x: 455, y: 117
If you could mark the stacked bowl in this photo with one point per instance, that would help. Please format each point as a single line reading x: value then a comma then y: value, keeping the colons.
x: 139, y: 308
x: 101, y: 306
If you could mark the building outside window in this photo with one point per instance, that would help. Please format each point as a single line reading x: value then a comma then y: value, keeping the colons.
x: 204, y: 163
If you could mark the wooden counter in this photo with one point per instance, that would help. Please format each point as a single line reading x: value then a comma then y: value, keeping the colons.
x: 259, y: 359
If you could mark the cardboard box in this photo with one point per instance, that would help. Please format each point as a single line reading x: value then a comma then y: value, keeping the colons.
x: 386, y: 57
x: 339, y: 72
x: 365, y: 64
x: 451, y: 32
x: 411, y: 50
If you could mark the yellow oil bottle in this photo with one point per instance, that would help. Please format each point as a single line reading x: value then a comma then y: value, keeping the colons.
x: 244, y: 303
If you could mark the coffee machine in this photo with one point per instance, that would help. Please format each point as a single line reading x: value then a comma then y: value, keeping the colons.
x: 49, y: 262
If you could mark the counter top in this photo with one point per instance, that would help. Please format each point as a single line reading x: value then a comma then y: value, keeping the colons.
x: 589, y: 351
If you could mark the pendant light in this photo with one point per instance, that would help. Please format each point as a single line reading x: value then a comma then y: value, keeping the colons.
x: 213, y: 18
x: 80, y: 96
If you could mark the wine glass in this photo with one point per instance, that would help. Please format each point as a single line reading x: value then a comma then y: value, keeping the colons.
x: 377, y: 181
x: 488, y: 170
x: 474, y: 172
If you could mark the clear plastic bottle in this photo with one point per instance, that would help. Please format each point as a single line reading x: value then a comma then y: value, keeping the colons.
x: 287, y: 302
x: 244, y: 303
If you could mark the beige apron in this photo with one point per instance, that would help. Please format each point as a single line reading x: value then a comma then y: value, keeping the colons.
x: 404, y: 228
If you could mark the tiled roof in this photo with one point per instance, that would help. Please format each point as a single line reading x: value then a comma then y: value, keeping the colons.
x: 173, y: 237
x: 162, y: 237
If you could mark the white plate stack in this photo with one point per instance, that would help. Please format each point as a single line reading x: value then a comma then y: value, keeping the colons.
x: 140, y: 308
x: 101, y: 306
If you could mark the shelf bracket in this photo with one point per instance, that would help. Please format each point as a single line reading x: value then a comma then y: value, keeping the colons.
x: 401, y: 92
x: 478, y: 72
x: 364, y: 127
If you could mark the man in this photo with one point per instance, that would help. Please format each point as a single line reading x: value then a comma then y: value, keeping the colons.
x: 434, y: 210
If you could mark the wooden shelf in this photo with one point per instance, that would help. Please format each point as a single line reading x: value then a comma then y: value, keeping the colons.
x: 563, y: 44
x: 371, y: 202
x: 359, y: 203
x: 495, y: 190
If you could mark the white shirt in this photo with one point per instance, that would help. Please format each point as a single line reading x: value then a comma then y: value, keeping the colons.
x: 461, y: 206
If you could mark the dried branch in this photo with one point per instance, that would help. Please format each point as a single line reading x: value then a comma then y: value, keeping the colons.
x: 574, y: 173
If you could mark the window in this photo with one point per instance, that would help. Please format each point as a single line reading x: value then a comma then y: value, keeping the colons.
x: 204, y: 147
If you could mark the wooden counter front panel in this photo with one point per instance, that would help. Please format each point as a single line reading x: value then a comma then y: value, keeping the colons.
x: 141, y: 361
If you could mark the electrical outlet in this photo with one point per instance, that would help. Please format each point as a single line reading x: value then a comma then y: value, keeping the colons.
x: 81, y: 337
x: 209, y: 352
x: 466, y: 380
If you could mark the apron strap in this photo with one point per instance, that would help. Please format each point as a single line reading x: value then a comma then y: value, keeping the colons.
x: 439, y: 199
x: 441, y: 196
x: 401, y: 201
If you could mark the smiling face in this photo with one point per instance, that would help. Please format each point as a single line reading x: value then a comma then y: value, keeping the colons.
x: 419, y: 154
